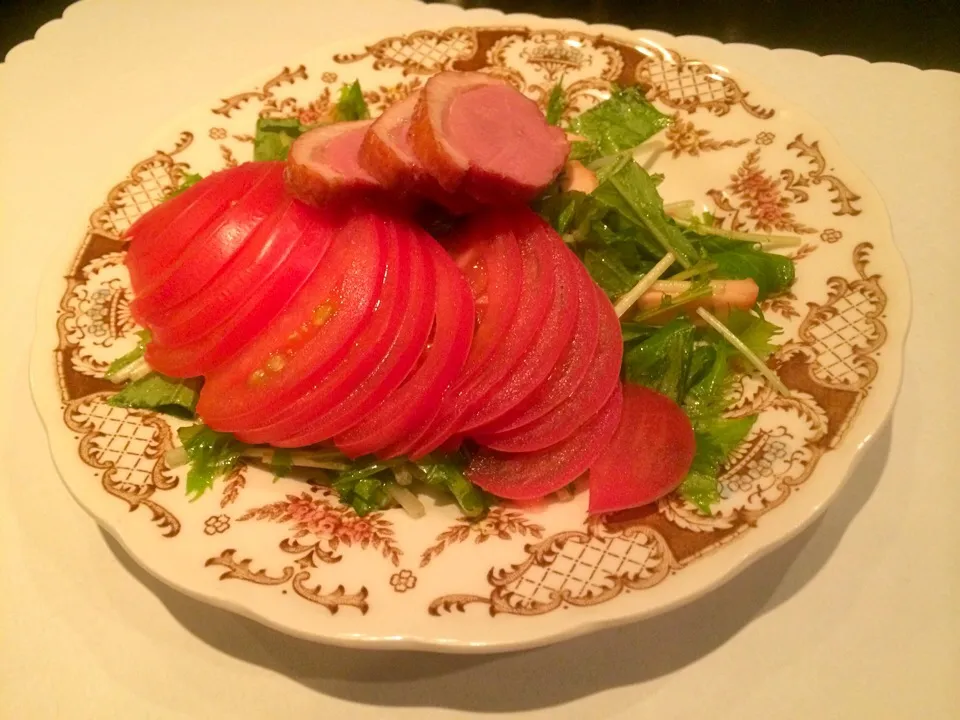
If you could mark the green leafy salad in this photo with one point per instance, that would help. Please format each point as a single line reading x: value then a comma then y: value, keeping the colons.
x: 631, y: 244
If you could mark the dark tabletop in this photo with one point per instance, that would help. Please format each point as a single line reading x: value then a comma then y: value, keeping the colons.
x: 924, y: 33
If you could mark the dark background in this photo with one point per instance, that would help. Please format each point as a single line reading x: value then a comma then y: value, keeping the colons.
x: 925, y: 33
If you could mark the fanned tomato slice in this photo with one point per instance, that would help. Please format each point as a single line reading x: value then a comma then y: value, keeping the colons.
x: 309, y: 338
x: 487, y: 253
x: 600, y: 380
x: 528, y: 476
x: 155, y: 248
x: 414, y: 404
x: 647, y: 457
x: 267, y: 249
x: 409, y: 340
x: 535, y: 365
x: 213, y: 248
x: 537, y: 286
x: 570, y: 369
x: 239, y: 306
x: 326, y: 403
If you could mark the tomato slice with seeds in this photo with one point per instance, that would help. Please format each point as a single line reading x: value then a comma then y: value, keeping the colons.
x: 528, y: 476
x: 348, y: 385
x: 305, y: 341
x: 409, y: 340
x: 213, y: 248
x: 415, y: 403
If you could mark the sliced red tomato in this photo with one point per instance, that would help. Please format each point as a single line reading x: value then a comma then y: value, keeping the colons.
x: 487, y: 252
x: 536, y: 364
x: 213, y: 248
x: 647, y: 458
x: 144, y: 236
x: 151, y: 255
x: 355, y: 384
x: 159, y: 217
x: 400, y: 359
x: 309, y: 338
x: 570, y: 369
x: 538, y: 284
x: 528, y: 476
x: 270, y: 245
x: 414, y: 404
x: 235, y: 309
x: 597, y: 385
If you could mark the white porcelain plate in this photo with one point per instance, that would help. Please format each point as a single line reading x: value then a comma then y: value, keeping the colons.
x: 287, y: 554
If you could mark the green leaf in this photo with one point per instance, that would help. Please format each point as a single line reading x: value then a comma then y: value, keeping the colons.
x: 583, y: 151
x: 173, y: 396
x: 620, y: 123
x: 728, y: 433
x: 189, y: 180
x: 701, y: 490
x: 362, y: 487
x: 711, y: 381
x: 131, y: 357
x: 613, y: 268
x: 556, y: 104
x: 274, y: 137
x: 446, y: 472
x: 739, y: 260
x: 365, y: 495
x: 587, y: 224
x: 755, y: 332
x: 632, y: 331
x: 212, y: 455
x: 631, y: 191
x: 282, y: 462
x: 351, y: 105
x: 715, y: 441
x: 662, y: 361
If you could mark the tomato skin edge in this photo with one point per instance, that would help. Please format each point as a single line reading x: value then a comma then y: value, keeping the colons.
x: 648, y: 456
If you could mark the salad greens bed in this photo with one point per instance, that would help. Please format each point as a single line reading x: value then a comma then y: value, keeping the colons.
x: 626, y: 238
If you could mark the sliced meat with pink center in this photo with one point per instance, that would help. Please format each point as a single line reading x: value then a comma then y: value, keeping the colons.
x: 479, y: 135
x: 386, y: 153
x: 325, y: 162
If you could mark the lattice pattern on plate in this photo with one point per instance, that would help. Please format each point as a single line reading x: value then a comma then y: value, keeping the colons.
x: 148, y: 190
x: 686, y: 83
x: 582, y: 569
x: 837, y: 338
x: 120, y: 439
x: 419, y: 52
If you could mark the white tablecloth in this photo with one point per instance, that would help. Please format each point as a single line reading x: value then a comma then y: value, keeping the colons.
x: 857, y: 618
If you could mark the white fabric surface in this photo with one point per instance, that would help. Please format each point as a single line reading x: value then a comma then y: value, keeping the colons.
x: 856, y: 618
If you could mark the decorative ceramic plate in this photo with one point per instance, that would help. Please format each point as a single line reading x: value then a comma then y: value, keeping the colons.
x: 287, y: 554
